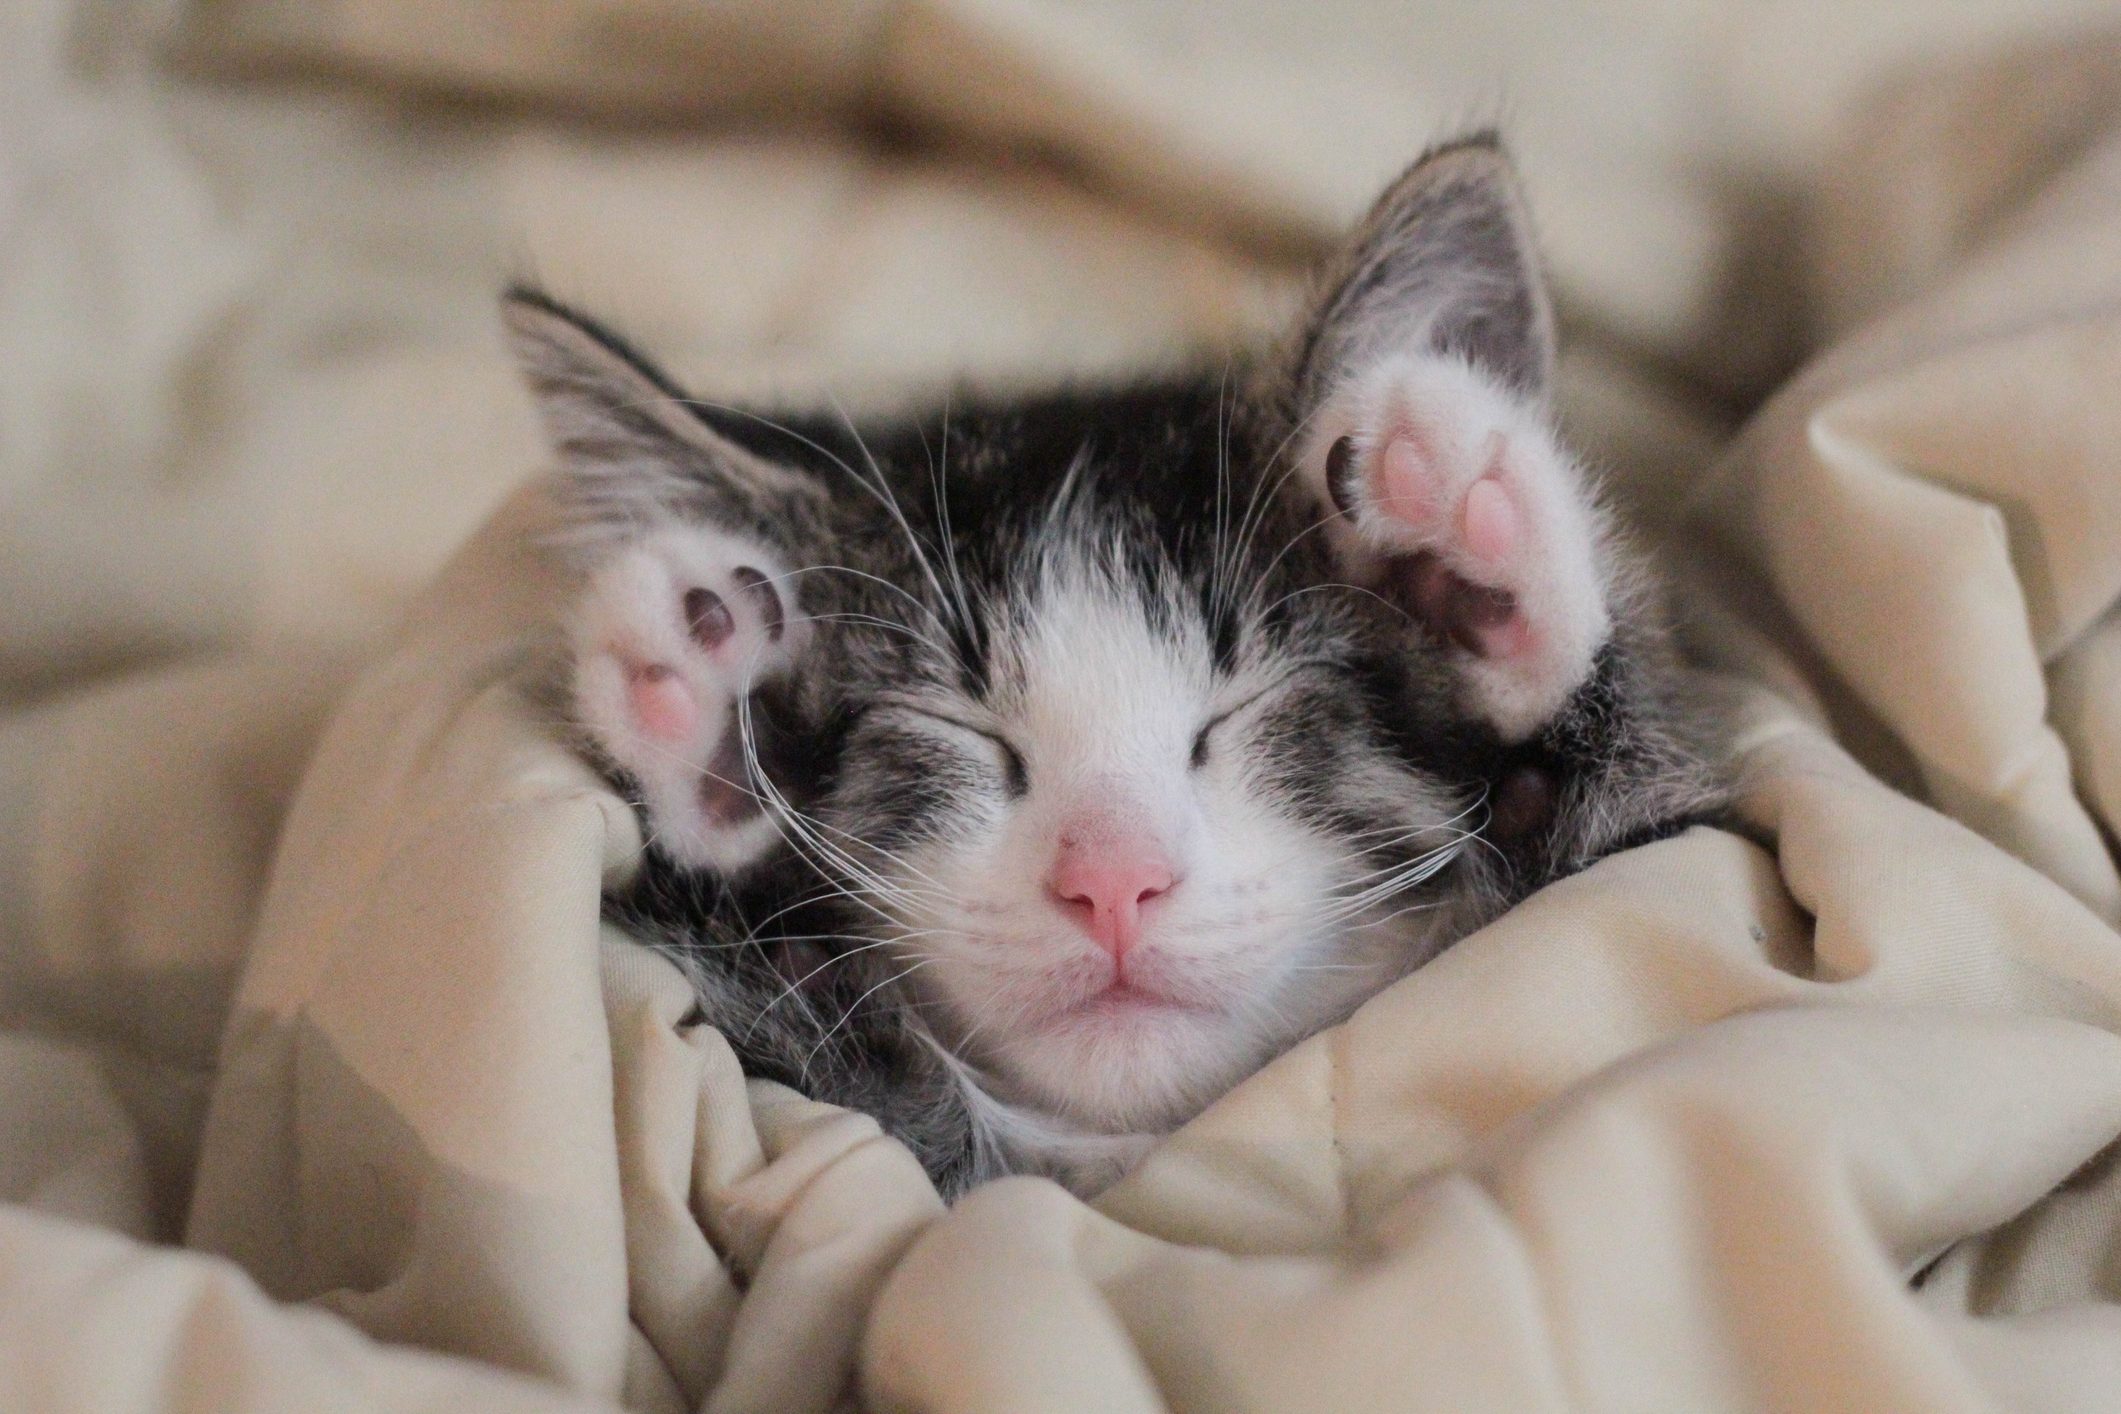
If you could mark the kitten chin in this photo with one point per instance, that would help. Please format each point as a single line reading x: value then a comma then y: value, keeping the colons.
x: 1026, y: 771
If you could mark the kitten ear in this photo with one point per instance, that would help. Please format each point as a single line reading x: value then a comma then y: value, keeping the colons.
x: 632, y: 449
x: 1443, y: 263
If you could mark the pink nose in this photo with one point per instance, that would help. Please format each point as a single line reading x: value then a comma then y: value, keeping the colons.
x: 1104, y: 885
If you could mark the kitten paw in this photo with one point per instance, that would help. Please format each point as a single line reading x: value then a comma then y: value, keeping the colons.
x: 669, y: 638
x: 1455, y: 502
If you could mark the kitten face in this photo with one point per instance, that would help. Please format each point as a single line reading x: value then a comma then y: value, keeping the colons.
x: 1125, y: 864
x: 1141, y: 730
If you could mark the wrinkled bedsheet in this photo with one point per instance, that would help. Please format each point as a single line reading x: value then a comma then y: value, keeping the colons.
x: 321, y: 1084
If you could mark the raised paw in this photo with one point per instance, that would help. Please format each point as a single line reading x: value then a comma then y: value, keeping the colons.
x: 669, y: 638
x: 1453, y: 499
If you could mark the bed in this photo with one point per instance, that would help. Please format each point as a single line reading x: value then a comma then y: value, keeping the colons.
x: 323, y: 1087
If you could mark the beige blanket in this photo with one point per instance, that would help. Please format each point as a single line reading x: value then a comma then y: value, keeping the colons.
x: 299, y: 952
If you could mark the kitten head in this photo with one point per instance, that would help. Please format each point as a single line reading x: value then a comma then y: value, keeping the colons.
x: 1079, y: 704
x: 1139, y: 798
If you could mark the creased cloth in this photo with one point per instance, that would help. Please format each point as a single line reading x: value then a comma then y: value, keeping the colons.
x: 300, y: 959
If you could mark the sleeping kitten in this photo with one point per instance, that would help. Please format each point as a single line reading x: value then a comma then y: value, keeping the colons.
x: 1027, y: 772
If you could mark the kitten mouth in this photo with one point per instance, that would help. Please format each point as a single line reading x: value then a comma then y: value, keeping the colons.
x: 1128, y: 997
x: 1124, y: 995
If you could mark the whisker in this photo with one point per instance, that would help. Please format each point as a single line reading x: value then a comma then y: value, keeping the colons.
x: 853, y: 1007
x: 793, y: 987
x: 1262, y: 502
x: 889, y: 500
x: 809, y: 830
x: 897, y: 589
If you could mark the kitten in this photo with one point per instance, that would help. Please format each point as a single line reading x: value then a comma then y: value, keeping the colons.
x: 1029, y: 771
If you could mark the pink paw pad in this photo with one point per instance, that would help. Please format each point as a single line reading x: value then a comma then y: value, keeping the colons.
x: 1407, y: 481
x: 1479, y: 618
x: 1447, y: 583
x: 727, y: 795
x: 765, y: 599
x: 1493, y: 524
x: 708, y: 619
x: 712, y: 620
x: 662, y: 704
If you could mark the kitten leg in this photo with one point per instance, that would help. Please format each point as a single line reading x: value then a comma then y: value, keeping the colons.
x: 669, y: 638
x: 1454, y: 500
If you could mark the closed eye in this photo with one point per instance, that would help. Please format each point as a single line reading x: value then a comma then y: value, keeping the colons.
x: 1295, y: 672
x: 1014, y: 773
x: 1201, y: 738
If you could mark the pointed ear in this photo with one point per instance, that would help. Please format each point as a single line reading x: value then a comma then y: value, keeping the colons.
x: 632, y: 449
x: 1443, y: 263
